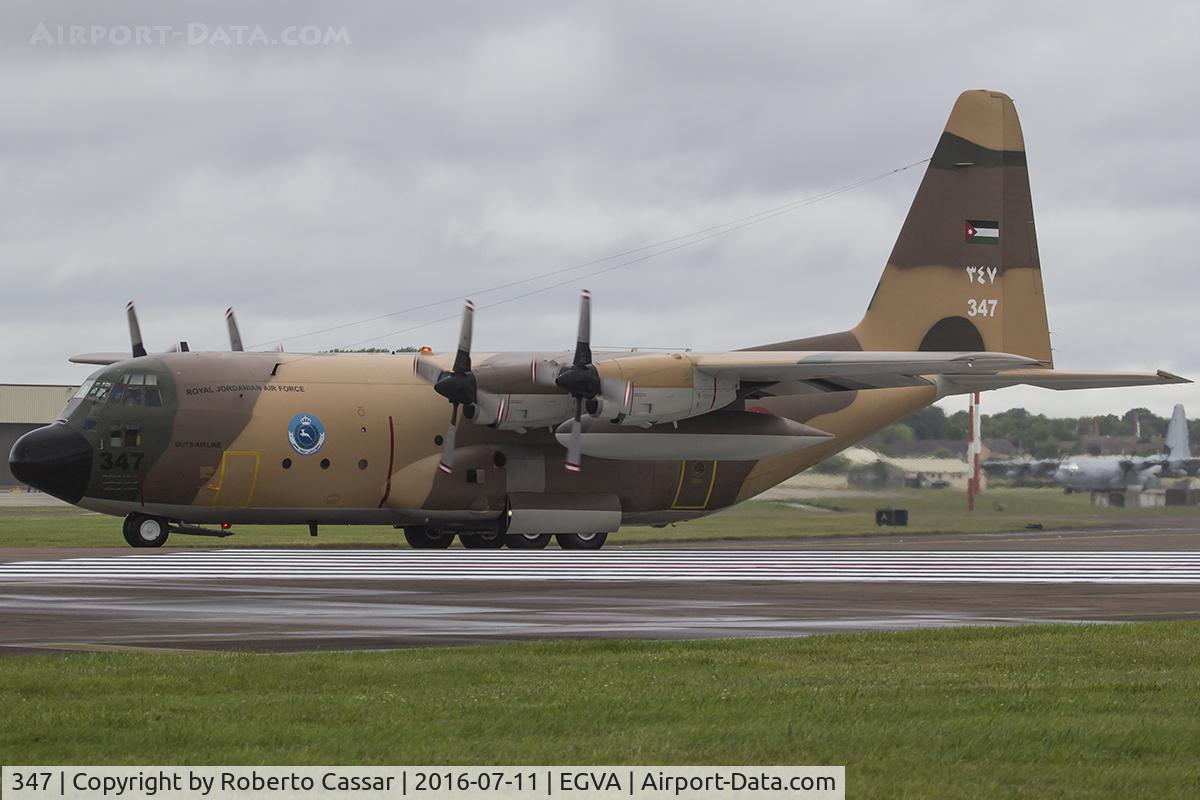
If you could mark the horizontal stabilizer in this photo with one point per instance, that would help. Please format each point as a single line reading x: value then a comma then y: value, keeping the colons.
x: 1058, y: 380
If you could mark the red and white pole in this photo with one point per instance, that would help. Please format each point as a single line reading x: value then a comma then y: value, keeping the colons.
x: 974, y: 444
x: 978, y: 442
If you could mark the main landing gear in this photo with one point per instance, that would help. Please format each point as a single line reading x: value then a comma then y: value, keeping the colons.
x: 527, y: 541
x: 427, y: 538
x: 145, y: 531
x: 581, y: 541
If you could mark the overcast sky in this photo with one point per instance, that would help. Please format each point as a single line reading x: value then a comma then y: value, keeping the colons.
x: 426, y: 150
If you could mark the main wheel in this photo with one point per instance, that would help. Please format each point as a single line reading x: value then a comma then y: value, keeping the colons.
x: 581, y: 541
x: 143, y: 531
x: 491, y: 540
x: 527, y: 541
x: 423, y: 538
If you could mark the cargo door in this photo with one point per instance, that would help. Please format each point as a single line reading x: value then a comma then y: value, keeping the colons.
x: 235, y: 479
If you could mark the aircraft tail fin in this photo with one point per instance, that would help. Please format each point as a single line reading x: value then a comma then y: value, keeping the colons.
x: 1177, y: 445
x: 964, y: 273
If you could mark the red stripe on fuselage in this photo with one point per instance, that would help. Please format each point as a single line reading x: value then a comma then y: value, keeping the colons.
x: 387, y: 487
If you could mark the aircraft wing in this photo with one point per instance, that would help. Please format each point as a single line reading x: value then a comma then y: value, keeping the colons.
x: 1059, y: 380
x: 794, y: 372
x: 1173, y: 467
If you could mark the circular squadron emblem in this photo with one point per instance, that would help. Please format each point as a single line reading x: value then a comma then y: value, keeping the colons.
x: 306, y: 433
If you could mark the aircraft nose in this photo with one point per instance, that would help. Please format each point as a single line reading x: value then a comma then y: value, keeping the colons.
x: 55, y: 459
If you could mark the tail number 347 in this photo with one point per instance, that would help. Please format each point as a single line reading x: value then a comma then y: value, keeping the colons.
x: 982, y: 308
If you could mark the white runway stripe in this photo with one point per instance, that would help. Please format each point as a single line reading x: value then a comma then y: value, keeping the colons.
x: 943, y: 566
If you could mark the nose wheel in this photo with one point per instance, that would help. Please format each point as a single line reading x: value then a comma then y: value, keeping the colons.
x: 145, y: 531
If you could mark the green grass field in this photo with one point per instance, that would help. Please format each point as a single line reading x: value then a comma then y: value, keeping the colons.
x: 1049, y: 711
x: 931, y: 511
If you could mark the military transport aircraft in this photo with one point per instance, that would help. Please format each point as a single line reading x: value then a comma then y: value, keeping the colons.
x: 1107, y: 473
x: 570, y: 444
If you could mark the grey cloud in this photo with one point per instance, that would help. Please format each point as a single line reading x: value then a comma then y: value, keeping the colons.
x: 455, y: 146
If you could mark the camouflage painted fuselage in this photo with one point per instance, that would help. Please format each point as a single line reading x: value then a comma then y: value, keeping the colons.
x: 217, y: 447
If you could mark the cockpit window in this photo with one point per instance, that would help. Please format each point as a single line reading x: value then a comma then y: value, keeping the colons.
x: 134, y: 395
x: 82, y: 391
x: 132, y: 389
x: 125, y: 436
x: 99, y: 391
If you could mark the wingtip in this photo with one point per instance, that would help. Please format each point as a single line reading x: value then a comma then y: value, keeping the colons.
x: 1170, y: 377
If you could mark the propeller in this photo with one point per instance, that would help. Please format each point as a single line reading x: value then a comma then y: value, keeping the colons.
x: 581, y: 380
x: 135, y: 331
x: 235, y: 335
x: 458, y: 386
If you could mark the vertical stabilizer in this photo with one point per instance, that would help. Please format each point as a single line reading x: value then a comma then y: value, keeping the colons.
x: 964, y: 273
x: 1177, y: 445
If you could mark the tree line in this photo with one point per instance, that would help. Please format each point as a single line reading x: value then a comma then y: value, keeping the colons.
x: 1034, y: 434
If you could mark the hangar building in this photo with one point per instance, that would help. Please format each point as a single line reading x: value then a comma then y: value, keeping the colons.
x: 24, y: 407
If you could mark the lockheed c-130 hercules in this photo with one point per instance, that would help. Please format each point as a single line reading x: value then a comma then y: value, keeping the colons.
x: 570, y: 444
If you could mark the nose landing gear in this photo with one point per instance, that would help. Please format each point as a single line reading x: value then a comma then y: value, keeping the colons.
x: 145, y: 531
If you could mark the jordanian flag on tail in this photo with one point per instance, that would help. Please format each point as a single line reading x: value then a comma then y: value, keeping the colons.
x: 983, y: 231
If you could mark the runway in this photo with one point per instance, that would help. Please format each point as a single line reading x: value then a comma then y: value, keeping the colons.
x: 305, y: 599
x: 673, y: 565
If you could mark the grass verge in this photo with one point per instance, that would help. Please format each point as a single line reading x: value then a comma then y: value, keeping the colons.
x: 1048, y: 711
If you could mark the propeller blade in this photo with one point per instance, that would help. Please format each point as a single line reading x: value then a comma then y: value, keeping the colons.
x: 446, y: 465
x: 462, y: 359
x: 575, y: 445
x: 583, y: 342
x: 235, y: 335
x: 426, y: 370
x: 135, y: 331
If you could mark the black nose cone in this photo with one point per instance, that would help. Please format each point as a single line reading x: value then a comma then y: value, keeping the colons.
x: 55, y: 459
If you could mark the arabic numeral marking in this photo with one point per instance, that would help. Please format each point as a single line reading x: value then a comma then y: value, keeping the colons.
x: 985, y: 307
x: 982, y: 275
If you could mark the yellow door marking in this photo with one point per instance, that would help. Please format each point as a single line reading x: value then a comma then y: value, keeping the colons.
x: 712, y: 481
x: 237, y: 458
